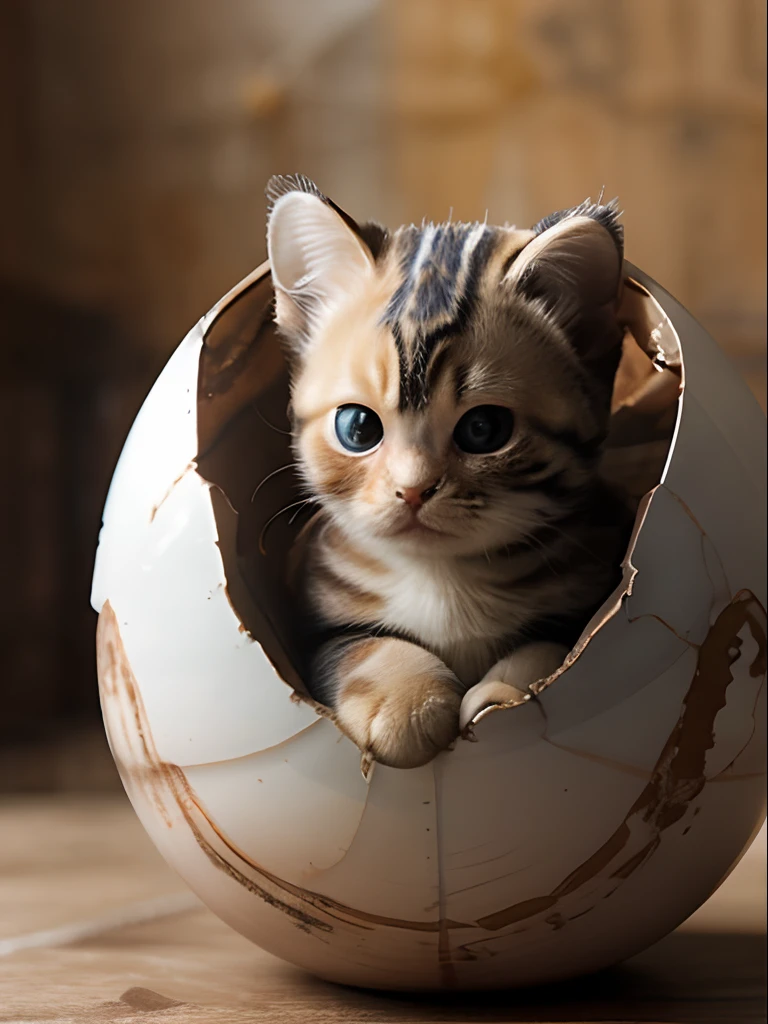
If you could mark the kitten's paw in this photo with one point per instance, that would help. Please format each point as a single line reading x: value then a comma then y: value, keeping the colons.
x: 407, y: 731
x: 527, y: 665
x: 400, y: 704
x: 508, y: 681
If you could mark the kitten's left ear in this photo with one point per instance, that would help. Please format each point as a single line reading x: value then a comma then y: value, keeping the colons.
x: 574, y: 267
x: 316, y: 253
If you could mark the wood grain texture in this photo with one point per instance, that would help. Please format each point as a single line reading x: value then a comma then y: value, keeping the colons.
x: 70, y: 860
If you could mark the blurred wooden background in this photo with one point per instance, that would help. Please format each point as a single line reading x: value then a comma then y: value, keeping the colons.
x: 138, y: 135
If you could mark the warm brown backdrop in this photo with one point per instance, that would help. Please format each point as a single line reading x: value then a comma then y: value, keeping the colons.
x: 137, y: 136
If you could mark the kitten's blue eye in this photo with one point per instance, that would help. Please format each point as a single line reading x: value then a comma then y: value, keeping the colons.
x: 484, y: 429
x: 358, y: 429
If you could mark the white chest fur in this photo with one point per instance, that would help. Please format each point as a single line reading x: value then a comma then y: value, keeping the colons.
x: 450, y: 609
x: 464, y: 610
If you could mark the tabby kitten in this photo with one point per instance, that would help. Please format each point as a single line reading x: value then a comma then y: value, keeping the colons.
x: 451, y: 388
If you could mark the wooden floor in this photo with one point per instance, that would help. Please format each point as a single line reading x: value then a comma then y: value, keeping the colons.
x: 94, y: 927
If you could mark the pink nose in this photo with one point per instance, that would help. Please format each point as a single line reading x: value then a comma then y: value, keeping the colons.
x: 416, y: 496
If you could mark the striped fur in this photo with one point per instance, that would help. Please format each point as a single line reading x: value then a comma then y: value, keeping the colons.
x: 409, y: 606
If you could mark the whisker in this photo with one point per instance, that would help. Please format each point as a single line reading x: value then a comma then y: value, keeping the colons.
x: 535, y: 544
x: 265, y: 421
x: 578, y: 544
x: 269, y: 476
x: 303, y: 501
x: 299, y: 511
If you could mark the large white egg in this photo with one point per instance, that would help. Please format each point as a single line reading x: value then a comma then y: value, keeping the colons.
x: 562, y: 834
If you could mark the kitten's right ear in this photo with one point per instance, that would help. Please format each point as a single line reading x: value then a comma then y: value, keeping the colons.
x: 315, y: 252
x: 573, y: 268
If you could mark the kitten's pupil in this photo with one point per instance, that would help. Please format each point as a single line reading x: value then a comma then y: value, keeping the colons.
x: 358, y: 428
x: 484, y: 429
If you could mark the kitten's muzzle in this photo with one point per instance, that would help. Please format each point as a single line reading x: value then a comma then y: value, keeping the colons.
x: 415, y: 497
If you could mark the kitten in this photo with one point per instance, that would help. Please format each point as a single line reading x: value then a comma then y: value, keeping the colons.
x: 451, y: 388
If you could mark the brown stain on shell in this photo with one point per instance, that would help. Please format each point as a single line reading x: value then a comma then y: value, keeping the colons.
x: 168, y: 789
x: 678, y: 776
x: 156, y: 508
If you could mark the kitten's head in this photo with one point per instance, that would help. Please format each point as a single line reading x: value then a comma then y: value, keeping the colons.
x: 450, y: 383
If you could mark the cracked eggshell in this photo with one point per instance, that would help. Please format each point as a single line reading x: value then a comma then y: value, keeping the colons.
x: 576, y: 829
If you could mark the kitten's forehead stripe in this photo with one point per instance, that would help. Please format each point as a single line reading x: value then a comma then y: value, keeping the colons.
x: 440, y: 265
x: 405, y: 253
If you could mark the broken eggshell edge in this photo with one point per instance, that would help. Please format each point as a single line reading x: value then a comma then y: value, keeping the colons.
x: 577, y: 829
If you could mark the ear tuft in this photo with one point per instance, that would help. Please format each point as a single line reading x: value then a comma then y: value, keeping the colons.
x: 606, y: 214
x: 281, y: 184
